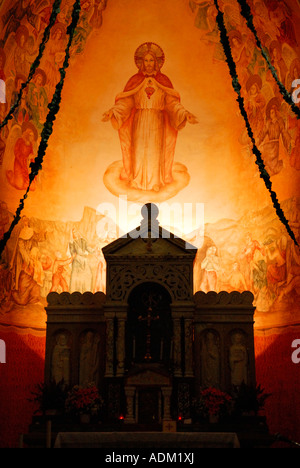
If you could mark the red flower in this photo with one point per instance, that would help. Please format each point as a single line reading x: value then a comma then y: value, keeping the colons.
x: 214, y: 399
x: 84, y: 399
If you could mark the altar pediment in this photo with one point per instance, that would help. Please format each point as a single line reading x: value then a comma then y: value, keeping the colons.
x: 141, y: 246
x: 149, y: 253
x: 150, y: 239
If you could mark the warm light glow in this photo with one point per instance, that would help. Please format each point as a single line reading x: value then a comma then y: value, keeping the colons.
x: 216, y: 197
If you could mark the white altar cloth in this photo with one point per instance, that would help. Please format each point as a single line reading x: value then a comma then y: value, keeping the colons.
x: 147, y: 440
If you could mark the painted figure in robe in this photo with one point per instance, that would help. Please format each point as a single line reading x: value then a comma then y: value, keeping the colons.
x: 18, y: 177
x: 81, y: 275
x: 148, y: 115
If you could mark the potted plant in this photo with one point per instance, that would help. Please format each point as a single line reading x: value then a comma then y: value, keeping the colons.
x: 50, y: 397
x: 84, y: 402
x: 213, y: 404
x: 249, y: 400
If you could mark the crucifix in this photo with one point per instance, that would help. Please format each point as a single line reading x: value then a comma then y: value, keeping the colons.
x: 149, y: 319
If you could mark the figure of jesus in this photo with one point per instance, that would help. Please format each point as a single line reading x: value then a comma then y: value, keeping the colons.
x: 148, y: 115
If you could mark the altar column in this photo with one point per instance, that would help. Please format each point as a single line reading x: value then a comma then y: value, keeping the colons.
x: 129, y: 393
x: 109, y: 365
x: 177, y: 347
x: 121, y: 346
x: 167, y: 392
x: 188, y: 344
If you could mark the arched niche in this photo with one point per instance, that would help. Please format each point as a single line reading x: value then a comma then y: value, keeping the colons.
x: 149, y: 327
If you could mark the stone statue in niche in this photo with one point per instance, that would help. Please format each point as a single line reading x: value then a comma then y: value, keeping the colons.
x: 61, y: 360
x: 210, y: 353
x: 89, y: 359
x: 238, y: 360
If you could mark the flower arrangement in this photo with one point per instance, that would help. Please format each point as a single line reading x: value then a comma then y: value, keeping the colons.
x: 84, y: 400
x: 214, y: 401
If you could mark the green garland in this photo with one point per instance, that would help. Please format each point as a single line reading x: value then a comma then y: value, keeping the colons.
x: 37, y: 61
x: 237, y: 87
x: 48, y: 127
x: 246, y: 13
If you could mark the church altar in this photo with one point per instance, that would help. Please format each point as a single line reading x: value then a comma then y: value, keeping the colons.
x: 150, y: 343
x: 147, y: 440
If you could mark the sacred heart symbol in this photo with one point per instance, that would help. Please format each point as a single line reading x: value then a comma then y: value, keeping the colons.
x: 149, y: 91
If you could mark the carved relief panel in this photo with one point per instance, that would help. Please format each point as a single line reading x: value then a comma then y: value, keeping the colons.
x: 176, y: 277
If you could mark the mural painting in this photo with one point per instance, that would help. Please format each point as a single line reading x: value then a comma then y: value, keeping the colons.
x: 150, y: 153
x: 148, y: 115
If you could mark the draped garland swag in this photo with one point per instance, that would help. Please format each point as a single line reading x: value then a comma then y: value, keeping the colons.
x: 54, y: 106
x: 36, y: 63
x: 246, y: 13
x: 237, y: 88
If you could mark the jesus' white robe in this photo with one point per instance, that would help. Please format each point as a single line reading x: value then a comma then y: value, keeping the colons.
x: 148, y: 118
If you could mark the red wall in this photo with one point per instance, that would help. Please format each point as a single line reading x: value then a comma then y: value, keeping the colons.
x: 281, y: 377
x: 24, y: 368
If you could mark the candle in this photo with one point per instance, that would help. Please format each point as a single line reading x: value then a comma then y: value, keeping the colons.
x: 171, y: 350
x: 161, y: 349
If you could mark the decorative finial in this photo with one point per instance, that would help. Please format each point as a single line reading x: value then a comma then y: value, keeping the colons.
x: 150, y: 213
